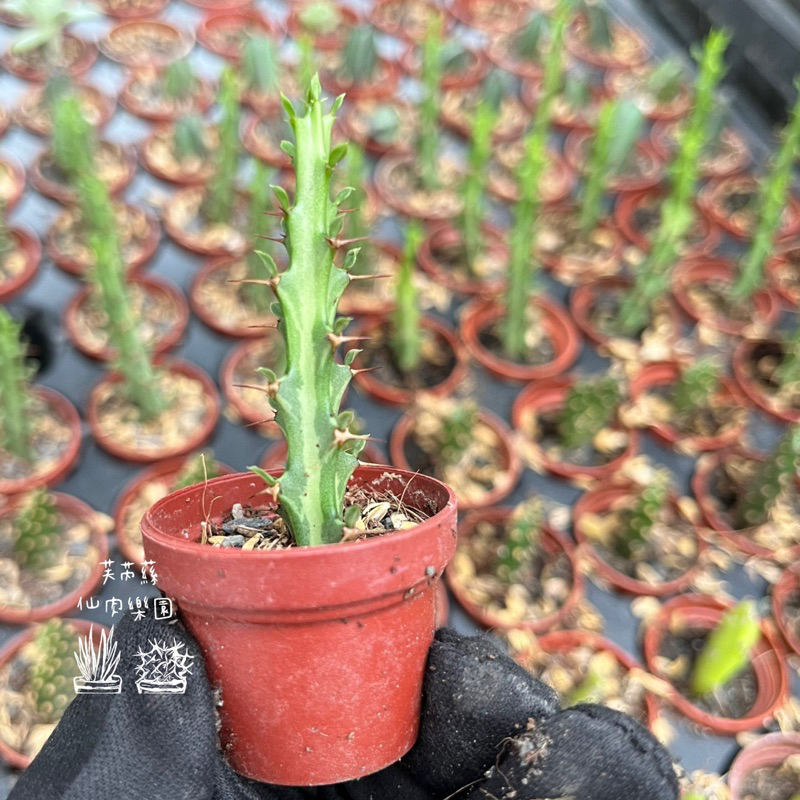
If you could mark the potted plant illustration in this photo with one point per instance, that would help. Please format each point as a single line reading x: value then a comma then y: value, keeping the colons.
x: 163, y: 668
x: 98, y: 668
x: 316, y: 501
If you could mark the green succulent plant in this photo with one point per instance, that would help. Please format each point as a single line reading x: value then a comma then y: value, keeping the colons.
x: 455, y: 432
x: 255, y: 289
x: 360, y: 55
x: 639, y: 520
x: 428, y: 132
x: 406, y: 339
x: 15, y: 388
x: 590, y: 406
x: 74, y: 141
x: 50, y: 683
x: 260, y: 68
x: 196, y: 469
x: 598, y: 24
x: 695, y: 385
x: 320, y: 17
x: 179, y: 80
x: 189, y: 138
x: 666, y: 81
x: 521, y: 539
x: 37, y: 533
x: 527, y: 42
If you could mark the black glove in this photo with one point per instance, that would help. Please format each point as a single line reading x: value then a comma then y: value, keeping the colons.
x: 481, y: 712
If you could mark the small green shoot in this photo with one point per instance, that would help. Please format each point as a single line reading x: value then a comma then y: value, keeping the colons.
x: 406, y: 339
x: 590, y: 406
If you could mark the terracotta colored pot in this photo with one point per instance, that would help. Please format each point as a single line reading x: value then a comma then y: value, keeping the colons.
x: 561, y: 182
x: 770, y: 750
x: 178, y: 175
x: 444, y: 236
x: 509, y: 461
x: 220, y: 5
x: 27, y: 242
x: 788, y: 585
x: 381, y: 87
x: 577, y: 146
x: 336, y: 39
x: 583, y: 299
x: 500, y: 51
x: 667, y: 373
x: 565, y: 641
x: 480, y: 315
x: 79, y: 511
x: 637, y: 51
x: 201, y: 434
x: 704, y: 612
x: 550, y: 395
x: 64, y: 193
x: 710, y: 201
x: 564, y: 118
x: 601, y: 500
x: 19, y: 67
x: 478, y: 69
x: 617, y: 84
x: 13, y: 758
x: 269, y: 152
x: 133, y: 11
x: 275, y: 457
x: 629, y: 203
x: 400, y: 29
x: 743, y: 356
x: 467, y: 13
x: 16, y: 173
x: 181, y: 41
x: 783, y: 272
x: 128, y: 99
x: 369, y: 382
x: 164, y: 472
x: 101, y: 109
x: 253, y: 613
x: 250, y: 21
x: 351, y: 132
x: 148, y: 285
x: 60, y: 407
x: 553, y: 542
x: 764, y: 305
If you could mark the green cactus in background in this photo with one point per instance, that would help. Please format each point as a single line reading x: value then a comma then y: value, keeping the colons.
x: 360, y: 55
x: 259, y: 68
x: 321, y: 16
x: 521, y: 262
x: 258, y: 270
x: 322, y: 451
x: 526, y: 43
x: 787, y: 373
x: 521, y: 539
x: 774, y: 476
x: 618, y: 129
x: 196, y: 469
x: 428, y: 137
x: 15, y: 409
x: 53, y: 668
x: 356, y: 176
x: 639, y: 520
x: 590, y: 406
x: 220, y: 201
x: 598, y: 24
x: 189, y: 138
x: 727, y: 649
x: 37, y: 531
x: 773, y: 193
x: 406, y: 339
x: 455, y: 433
x: 179, y: 80
x: 74, y: 141
x: 666, y: 81
x: 695, y: 386
x: 382, y: 124
x: 677, y: 210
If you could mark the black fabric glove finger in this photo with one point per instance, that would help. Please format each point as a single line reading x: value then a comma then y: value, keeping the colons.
x: 587, y: 752
x: 474, y: 697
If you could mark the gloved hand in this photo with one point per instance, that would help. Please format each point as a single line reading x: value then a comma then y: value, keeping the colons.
x: 488, y: 728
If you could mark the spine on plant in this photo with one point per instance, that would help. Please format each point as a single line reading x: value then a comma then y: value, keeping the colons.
x: 36, y: 531
x: 15, y: 430
x: 429, y: 106
x: 321, y: 449
x: 51, y: 684
x: 590, y: 407
x: 775, y: 189
x: 407, y: 339
x: 73, y: 137
x: 695, y: 386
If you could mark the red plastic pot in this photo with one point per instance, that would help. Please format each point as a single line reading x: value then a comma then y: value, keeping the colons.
x: 704, y: 612
x: 180, y: 175
x: 133, y: 11
x: 64, y: 193
x: 16, y: 172
x: 62, y: 408
x: 27, y: 242
x: 743, y: 355
x: 788, y: 585
x: 618, y: 84
x: 553, y: 543
x: 400, y: 28
x: 76, y: 510
x: 350, y: 131
x: 19, y: 67
x: 130, y: 101
x: 334, y: 40
x: 220, y: 5
x: 268, y: 149
x: 510, y: 462
x: 382, y: 86
x: 249, y: 21
x: 550, y: 395
x: 200, y: 435
x: 495, y: 22
x: 602, y: 500
x: 703, y: 239
x: 564, y: 118
x: 480, y: 315
x: 562, y: 181
x: 369, y: 382
x: 564, y: 641
x: 445, y: 236
x: 764, y: 305
x: 182, y: 41
x: 149, y: 285
x: 667, y: 373
x: 500, y: 51
x: 770, y: 750
x: 362, y: 609
x: 14, y: 758
x: 576, y: 44
x: 782, y: 269
x: 99, y: 111
x: 478, y: 69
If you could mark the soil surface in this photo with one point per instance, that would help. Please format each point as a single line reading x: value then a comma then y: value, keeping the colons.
x: 772, y: 783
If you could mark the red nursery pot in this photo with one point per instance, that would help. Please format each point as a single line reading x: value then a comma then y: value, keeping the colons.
x: 28, y: 243
x: 479, y: 315
x: 744, y: 355
x: 60, y: 407
x: 788, y: 585
x: 634, y: 53
x: 133, y: 10
x: 75, y: 509
x: 145, y: 55
x: 476, y: 71
x: 667, y: 373
x: 23, y: 69
x: 150, y: 286
x: 602, y: 500
x: 503, y: 18
x: 770, y: 750
x: 552, y: 542
x: 130, y: 100
x: 704, y: 612
x: 764, y: 305
x: 220, y: 5
x: 398, y: 25
x: 550, y: 395
x: 231, y: 21
x: 382, y: 88
x: 366, y: 327
x: 332, y: 40
x: 278, y: 629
